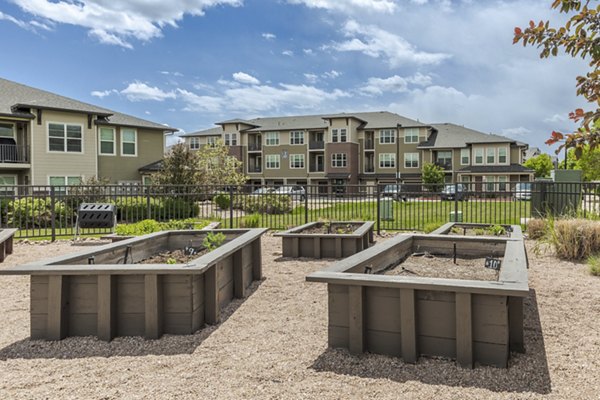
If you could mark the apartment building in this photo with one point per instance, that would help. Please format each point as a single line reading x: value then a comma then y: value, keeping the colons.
x: 363, y: 148
x: 48, y: 139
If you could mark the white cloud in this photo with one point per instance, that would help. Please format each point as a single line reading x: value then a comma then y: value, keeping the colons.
x: 196, y: 103
x: 139, y: 91
x: 331, y: 74
x: 556, y: 118
x: 516, y: 133
x: 104, y: 93
x: 288, y: 53
x: 311, y: 78
x: 269, y: 36
x: 385, y: 6
x: 308, y: 52
x: 376, y: 42
x: 394, y: 84
x: 243, y: 77
x: 117, y: 22
x: 174, y: 73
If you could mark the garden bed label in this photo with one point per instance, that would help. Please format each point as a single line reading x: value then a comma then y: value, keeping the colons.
x: 493, y: 263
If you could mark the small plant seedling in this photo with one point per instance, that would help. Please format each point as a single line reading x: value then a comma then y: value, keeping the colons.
x: 479, y: 231
x: 497, y: 230
x: 213, y: 240
x: 171, y: 260
x: 456, y: 230
x: 593, y: 263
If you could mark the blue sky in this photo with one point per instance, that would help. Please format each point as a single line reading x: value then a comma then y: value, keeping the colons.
x: 191, y: 63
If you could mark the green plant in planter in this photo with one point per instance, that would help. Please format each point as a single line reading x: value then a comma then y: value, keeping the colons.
x: 496, y: 230
x: 171, y: 260
x: 479, y: 231
x: 213, y: 240
x: 456, y: 230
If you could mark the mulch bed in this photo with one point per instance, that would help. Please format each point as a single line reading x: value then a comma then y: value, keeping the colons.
x: 179, y: 256
x: 337, y: 229
x: 427, y: 265
x: 476, y: 232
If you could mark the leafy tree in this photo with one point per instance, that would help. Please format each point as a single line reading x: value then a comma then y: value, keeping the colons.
x: 588, y: 162
x: 542, y: 165
x: 577, y: 38
x: 217, y: 167
x: 433, y: 175
x: 179, y: 167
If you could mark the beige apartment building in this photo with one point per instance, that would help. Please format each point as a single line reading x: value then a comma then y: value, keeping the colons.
x: 48, y: 139
x: 364, y: 148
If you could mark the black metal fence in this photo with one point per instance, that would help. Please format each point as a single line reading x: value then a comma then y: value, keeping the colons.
x: 51, y: 211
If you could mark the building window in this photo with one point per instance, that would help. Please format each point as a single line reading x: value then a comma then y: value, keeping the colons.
x: 465, y: 157
x: 387, y: 136
x: 490, y: 153
x: 128, y: 142
x: 444, y: 159
x: 194, y: 143
x: 272, y: 139
x: 296, y: 137
x: 231, y: 139
x: 296, y: 161
x: 146, y: 180
x: 62, y: 181
x: 7, y: 185
x: 489, y: 183
x: 212, y: 141
x: 411, y: 160
x: 65, y: 138
x: 339, y: 135
x: 272, y: 161
x: 411, y: 135
x: 502, y: 183
x: 7, y: 130
x: 478, y: 155
x: 502, y: 155
x: 107, y: 141
x: 339, y: 160
x: 387, y: 160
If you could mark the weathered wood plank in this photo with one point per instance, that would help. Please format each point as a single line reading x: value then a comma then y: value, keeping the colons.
x: 239, y: 284
x: 338, y: 247
x: 436, y: 319
x: 381, y: 312
x: 58, y: 287
x: 256, y: 260
x: 153, y: 306
x: 356, y: 319
x: 106, y: 307
x: 515, y: 322
x: 212, y: 310
x: 464, y: 331
x: 380, y: 342
x: 317, y: 247
x: 408, y: 326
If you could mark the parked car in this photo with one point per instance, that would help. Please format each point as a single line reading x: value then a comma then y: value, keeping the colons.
x: 393, y: 191
x: 296, y: 192
x: 263, y: 190
x: 454, y: 191
x: 522, y: 191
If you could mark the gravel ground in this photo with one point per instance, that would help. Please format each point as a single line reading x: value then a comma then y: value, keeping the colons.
x: 273, y: 345
x: 444, y: 267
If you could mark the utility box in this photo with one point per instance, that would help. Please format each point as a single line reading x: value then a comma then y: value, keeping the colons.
x: 386, y: 209
x: 456, y: 216
x: 561, y: 195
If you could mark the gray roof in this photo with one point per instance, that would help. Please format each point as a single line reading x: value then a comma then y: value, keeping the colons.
x: 236, y: 121
x: 206, y: 132
x: 16, y: 98
x: 450, y: 135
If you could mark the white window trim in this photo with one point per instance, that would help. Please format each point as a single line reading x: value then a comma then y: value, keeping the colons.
x: 411, y: 130
x: 292, y: 156
x: 9, y: 176
x: 475, y: 156
x: 267, y: 161
x: 344, y: 159
x: 506, y: 182
x: 297, y: 144
x: 393, y: 136
x: 486, y: 156
x: 418, y: 160
x: 507, y: 156
x: 276, y: 135
x: 211, y: 141
x: 81, y: 177
x: 195, y: 141
x: 14, y: 136
x: 392, y: 160
x: 228, y: 137
x: 65, y: 151
x: 136, y: 143
x: 462, y: 151
x: 335, y: 133
x: 345, y: 135
x: 114, y: 153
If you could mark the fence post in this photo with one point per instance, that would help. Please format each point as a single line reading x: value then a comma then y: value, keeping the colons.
x: 52, y: 212
x: 378, y: 213
x: 456, y: 201
x: 306, y: 204
x: 230, y: 207
x: 148, y: 207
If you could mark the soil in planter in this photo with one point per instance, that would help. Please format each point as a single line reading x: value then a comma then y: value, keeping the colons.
x: 427, y: 265
x: 488, y: 232
x: 179, y: 257
x: 327, y: 229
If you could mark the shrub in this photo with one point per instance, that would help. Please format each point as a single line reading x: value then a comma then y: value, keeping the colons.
x: 222, y: 201
x: 250, y: 221
x: 593, y: 263
x: 175, y: 208
x: 431, y: 226
x: 133, y: 209
x: 149, y: 226
x: 37, y: 213
x: 269, y: 204
x: 536, y: 228
x: 574, y: 239
x: 213, y: 240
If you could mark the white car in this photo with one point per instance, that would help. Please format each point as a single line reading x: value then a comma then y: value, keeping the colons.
x: 296, y: 192
x: 522, y: 191
x: 263, y: 190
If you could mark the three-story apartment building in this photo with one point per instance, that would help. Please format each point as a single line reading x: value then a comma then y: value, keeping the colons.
x: 364, y: 148
x: 48, y: 139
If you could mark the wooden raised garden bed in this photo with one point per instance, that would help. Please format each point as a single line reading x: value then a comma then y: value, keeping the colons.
x: 380, y: 305
x: 110, y: 291
x: 6, y: 242
x: 327, y: 240
x: 472, y: 229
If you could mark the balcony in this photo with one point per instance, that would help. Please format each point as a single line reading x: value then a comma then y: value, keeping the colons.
x: 254, y: 170
x: 254, y: 147
x: 369, y: 169
x: 369, y: 144
x: 14, y: 154
x: 316, y: 168
x: 446, y: 165
x: 316, y: 145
